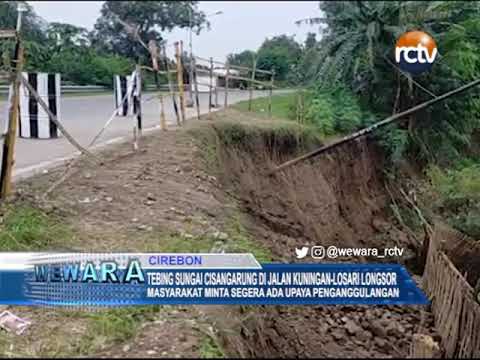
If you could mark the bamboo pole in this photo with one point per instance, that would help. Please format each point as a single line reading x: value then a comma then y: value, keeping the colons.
x: 264, y: 83
x: 107, y: 123
x: 234, y: 66
x: 178, y: 46
x: 227, y: 75
x: 8, y: 156
x: 375, y: 126
x: 152, y: 46
x: 197, y: 101
x: 210, y: 88
x: 163, y: 122
x: 138, y: 74
x: 183, y: 85
x: 170, y: 85
x: 135, y: 139
x: 270, y: 94
x: 250, y: 95
x: 216, y: 92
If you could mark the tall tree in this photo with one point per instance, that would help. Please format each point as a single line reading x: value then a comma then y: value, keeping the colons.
x: 244, y: 58
x: 310, y: 41
x: 280, y: 53
x: 66, y: 36
x: 33, y: 26
x: 150, y: 18
x: 358, y: 36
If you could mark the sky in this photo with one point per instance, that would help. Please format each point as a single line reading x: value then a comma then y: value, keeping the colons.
x: 242, y: 25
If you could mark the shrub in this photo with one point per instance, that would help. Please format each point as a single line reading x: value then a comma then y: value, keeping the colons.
x: 334, y: 111
x: 458, y: 190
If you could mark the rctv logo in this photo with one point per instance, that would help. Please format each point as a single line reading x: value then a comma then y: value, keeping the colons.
x: 415, y: 52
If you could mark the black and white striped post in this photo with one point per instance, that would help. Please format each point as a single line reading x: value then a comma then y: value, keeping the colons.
x: 33, y: 121
x: 127, y: 92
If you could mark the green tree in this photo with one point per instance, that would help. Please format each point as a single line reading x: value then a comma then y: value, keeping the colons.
x: 66, y: 36
x: 310, y: 41
x: 357, y: 40
x: 280, y: 53
x: 149, y: 18
x: 244, y: 58
x: 33, y: 26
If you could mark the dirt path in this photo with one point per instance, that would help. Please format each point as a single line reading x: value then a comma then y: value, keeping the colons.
x: 159, y: 199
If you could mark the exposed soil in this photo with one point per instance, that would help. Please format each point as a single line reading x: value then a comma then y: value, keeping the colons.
x: 338, y: 199
x: 163, y: 198
x: 157, y: 199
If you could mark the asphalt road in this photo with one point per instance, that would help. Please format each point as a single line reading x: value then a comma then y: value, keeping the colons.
x: 84, y: 116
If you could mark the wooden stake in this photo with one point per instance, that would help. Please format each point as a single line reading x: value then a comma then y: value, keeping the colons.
x: 178, y: 46
x: 163, y: 122
x: 8, y: 157
x: 170, y: 85
x: 210, y: 88
x: 250, y: 97
x: 135, y: 139
x: 152, y: 46
x: 375, y: 126
x: 227, y: 75
x: 183, y: 85
x: 216, y: 91
x: 197, y: 101
x: 138, y: 114
x: 271, y: 94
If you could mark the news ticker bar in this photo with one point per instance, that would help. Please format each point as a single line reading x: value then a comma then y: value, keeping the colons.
x: 124, y: 279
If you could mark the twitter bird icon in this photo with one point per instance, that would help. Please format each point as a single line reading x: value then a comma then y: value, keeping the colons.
x: 301, y: 253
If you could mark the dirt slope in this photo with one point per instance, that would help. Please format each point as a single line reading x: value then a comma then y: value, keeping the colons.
x: 159, y: 200
x: 166, y: 198
x: 337, y: 199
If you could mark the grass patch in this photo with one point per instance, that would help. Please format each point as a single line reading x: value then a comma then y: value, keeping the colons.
x: 113, y: 326
x: 210, y: 349
x: 237, y: 129
x: 240, y: 241
x: 283, y: 106
x: 24, y: 227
